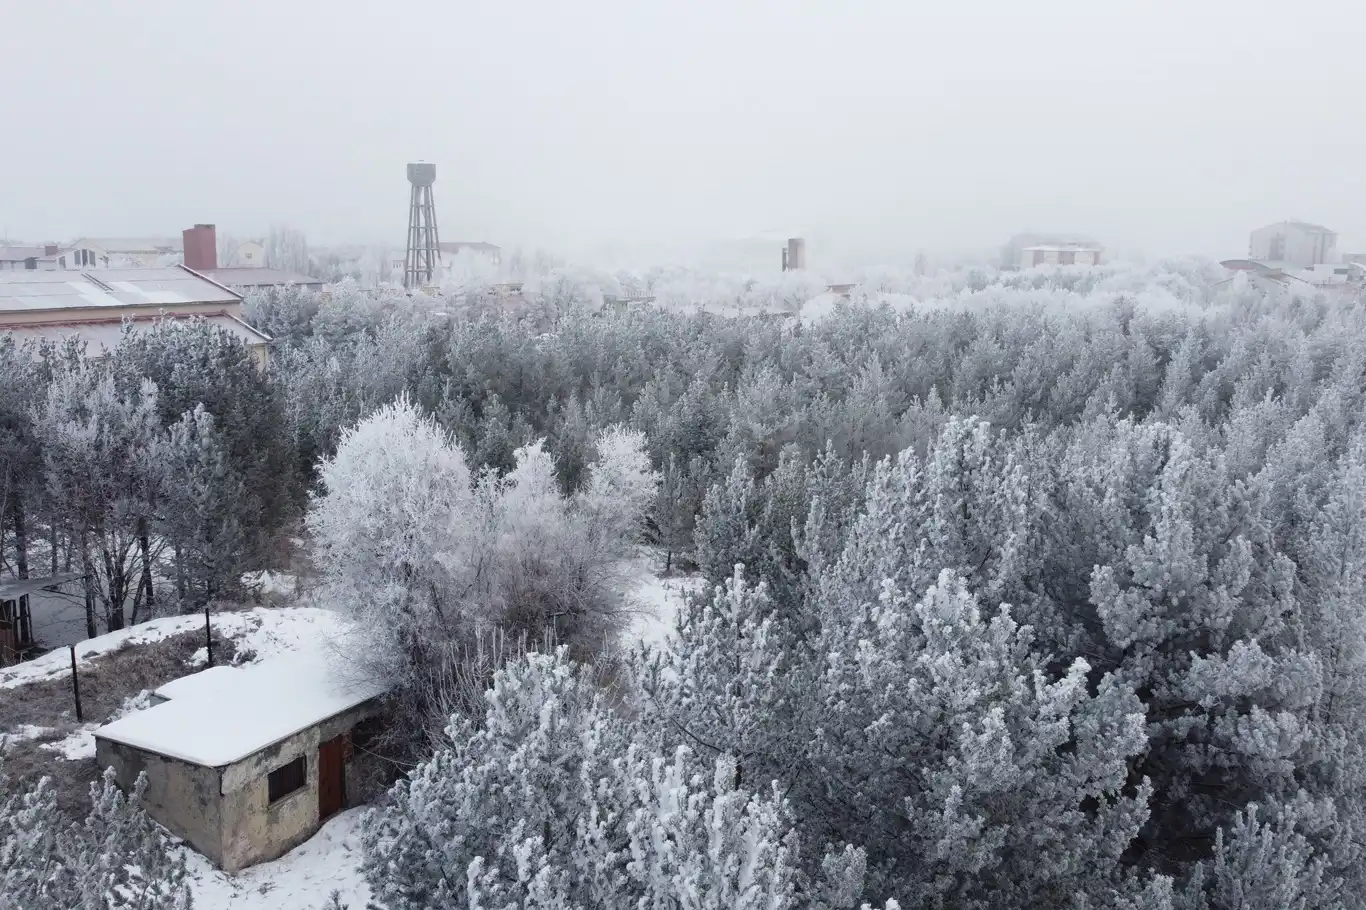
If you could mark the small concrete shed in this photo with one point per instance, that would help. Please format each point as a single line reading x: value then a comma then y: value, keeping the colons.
x: 244, y: 763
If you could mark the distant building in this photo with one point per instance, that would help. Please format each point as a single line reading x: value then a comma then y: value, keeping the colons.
x: 254, y: 279
x: 123, y: 253
x: 250, y: 254
x: 92, y: 305
x: 44, y: 258
x: 1298, y: 244
x: 20, y: 630
x: 1059, y: 254
x: 483, y: 250
x: 1014, y: 256
x: 794, y: 254
x: 1325, y: 275
x: 201, y: 256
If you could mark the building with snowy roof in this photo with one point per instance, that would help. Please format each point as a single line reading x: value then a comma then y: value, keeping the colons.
x: 93, y: 306
x: 1059, y: 254
x: 246, y: 763
x: 1298, y: 244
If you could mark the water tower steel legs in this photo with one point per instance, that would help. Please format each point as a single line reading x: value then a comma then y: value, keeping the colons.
x: 422, y: 263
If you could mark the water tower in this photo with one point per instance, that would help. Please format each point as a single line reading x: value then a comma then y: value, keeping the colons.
x: 423, y: 259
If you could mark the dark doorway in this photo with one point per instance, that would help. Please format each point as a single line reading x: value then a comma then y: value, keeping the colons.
x: 331, y: 777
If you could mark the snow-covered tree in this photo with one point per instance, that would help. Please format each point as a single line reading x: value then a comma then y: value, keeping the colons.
x: 202, y: 509
x: 105, y: 459
x: 555, y: 800
x: 398, y: 503
x: 116, y: 859
x: 425, y: 556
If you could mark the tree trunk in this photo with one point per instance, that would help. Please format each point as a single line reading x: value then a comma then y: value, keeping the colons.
x: 118, y: 591
x: 146, y: 583
x: 180, y: 575
x: 20, y: 536
x: 90, y: 629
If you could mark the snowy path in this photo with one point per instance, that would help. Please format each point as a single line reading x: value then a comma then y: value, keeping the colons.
x: 656, y: 599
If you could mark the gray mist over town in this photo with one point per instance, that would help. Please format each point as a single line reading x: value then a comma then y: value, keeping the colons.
x: 631, y: 134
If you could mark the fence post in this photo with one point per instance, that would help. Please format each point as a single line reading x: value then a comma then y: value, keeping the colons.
x: 208, y: 636
x: 76, y: 686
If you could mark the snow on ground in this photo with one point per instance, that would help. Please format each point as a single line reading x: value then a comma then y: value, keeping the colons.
x: 655, y: 599
x: 300, y: 880
x: 267, y: 582
x: 55, y: 663
x: 21, y: 734
x: 270, y: 631
x: 79, y: 745
x: 263, y: 631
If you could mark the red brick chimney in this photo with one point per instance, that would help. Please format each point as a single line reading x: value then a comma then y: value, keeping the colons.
x: 201, y: 247
x: 50, y: 249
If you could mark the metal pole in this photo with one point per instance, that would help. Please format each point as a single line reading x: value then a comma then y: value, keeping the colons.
x: 208, y: 636
x: 76, y: 686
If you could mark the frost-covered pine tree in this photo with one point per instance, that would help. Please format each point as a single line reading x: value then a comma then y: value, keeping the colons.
x: 732, y: 683
x: 726, y: 531
x: 556, y: 800
x: 105, y: 462
x: 972, y: 774
x: 116, y: 859
x: 203, y: 504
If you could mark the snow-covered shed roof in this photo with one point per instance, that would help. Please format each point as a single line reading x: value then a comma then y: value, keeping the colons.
x: 230, y: 713
x: 210, y: 681
x: 13, y: 588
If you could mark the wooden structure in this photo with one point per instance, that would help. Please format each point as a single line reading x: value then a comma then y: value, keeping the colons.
x: 16, y: 617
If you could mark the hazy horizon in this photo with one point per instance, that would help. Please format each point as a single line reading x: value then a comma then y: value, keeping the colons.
x: 882, y: 128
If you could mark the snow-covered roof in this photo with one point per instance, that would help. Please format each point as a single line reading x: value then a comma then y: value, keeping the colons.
x: 223, y: 717
x: 208, y: 682
x: 26, y: 290
x: 132, y: 245
x: 12, y: 588
x: 252, y: 277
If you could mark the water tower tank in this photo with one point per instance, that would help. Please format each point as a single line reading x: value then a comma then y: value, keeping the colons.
x: 421, y: 173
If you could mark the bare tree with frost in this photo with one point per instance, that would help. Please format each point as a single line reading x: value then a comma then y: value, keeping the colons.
x: 426, y: 556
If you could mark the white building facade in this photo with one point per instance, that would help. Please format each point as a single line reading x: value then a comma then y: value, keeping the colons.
x: 114, y: 253
x: 1058, y: 254
x: 1294, y: 243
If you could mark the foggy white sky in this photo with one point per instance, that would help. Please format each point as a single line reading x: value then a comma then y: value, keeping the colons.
x: 883, y: 125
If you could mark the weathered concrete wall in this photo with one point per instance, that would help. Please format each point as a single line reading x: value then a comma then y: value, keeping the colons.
x: 254, y: 830
x: 183, y: 797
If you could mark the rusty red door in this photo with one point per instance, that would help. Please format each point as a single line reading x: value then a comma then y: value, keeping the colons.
x: 331, y: 778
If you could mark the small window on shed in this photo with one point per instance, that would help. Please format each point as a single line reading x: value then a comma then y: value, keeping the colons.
x: 284, y: 781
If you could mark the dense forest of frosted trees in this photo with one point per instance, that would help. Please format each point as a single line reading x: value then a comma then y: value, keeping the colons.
x: 1041, y: 589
